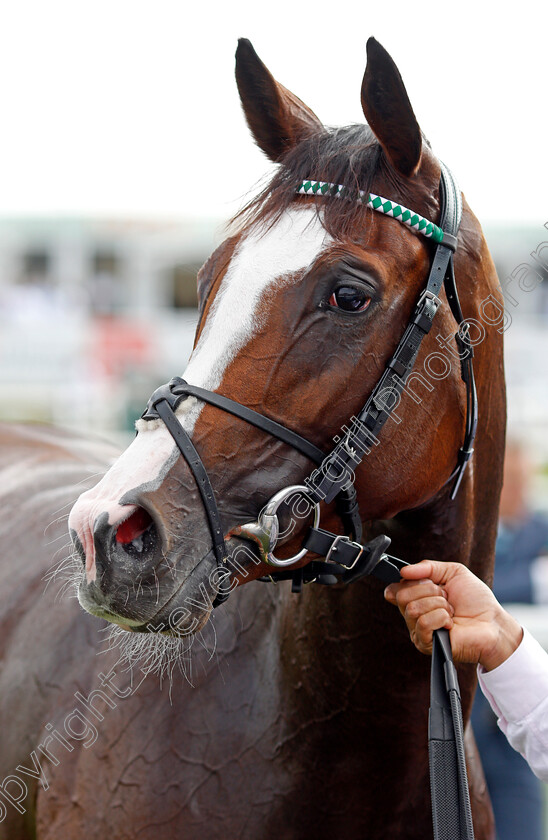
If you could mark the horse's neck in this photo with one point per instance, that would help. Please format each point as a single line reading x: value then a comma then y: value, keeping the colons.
x: 333, y: 638
x: 440, y: 530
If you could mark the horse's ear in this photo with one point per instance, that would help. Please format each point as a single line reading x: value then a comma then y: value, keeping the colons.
x: 277, y: 118
x: 388, y: 110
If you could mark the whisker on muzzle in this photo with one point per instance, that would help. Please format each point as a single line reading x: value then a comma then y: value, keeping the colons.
x: 152, y: 653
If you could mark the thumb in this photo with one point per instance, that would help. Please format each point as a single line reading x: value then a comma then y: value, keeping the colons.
x: 430, y: 569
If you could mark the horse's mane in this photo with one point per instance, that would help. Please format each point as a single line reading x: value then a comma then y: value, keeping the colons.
x: 351, y: 156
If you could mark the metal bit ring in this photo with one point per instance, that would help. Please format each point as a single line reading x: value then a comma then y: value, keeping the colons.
x: 269, y: 522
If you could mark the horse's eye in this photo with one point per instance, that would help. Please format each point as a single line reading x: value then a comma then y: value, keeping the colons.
x: 350, y: 299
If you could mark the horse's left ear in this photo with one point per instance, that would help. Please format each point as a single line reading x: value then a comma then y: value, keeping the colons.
x: 388, y: 110
x: 277, y: 118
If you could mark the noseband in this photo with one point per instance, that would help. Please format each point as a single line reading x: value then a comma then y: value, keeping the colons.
x: 331, y: 480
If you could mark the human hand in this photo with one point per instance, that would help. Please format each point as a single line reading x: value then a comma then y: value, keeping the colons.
x: 434, y: 595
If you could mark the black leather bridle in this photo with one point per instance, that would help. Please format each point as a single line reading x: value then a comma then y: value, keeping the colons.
x: 330, y: 480
x: 347, y: 559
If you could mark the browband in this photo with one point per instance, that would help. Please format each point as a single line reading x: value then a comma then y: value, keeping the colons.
x: 382, y: 205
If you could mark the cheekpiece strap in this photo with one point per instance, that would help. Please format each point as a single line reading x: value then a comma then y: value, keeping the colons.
x: 337, y: 470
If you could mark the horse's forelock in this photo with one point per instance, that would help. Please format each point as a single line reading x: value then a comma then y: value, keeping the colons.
x: 350, y: 156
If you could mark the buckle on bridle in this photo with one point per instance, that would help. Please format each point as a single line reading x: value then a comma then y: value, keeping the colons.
x: 333, y: 549
x: 426, y: 309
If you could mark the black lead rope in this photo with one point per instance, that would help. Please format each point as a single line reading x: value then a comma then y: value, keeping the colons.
x: 451, y: 809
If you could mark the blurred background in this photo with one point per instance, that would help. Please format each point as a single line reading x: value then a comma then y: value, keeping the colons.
x: 123, y: 152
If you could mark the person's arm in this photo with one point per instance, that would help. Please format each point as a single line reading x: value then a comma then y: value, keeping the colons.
x: 518, y: 694
x: 512, y: 668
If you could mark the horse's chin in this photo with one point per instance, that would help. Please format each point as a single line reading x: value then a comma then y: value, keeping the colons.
x: 160, y: 625
x: 185, y: 609
x: 168, y: 622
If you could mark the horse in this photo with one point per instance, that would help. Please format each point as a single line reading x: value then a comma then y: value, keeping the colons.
x: 288, y: 714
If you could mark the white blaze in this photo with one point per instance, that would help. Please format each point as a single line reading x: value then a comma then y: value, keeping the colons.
x: 260, y: 260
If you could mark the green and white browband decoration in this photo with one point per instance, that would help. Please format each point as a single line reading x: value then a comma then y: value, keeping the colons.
x: 376, y: 202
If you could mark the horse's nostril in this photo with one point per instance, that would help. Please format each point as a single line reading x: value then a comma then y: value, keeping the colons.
x: 137, y: 534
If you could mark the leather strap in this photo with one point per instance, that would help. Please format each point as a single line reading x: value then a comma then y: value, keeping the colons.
x: 466, y: 352
x: 189, y: 453
x: 179, y: 388
x: 334, y: 472
x: 175, y: 391
x: 338, y: 548
x: 451, y: 811
x: 352, y: 561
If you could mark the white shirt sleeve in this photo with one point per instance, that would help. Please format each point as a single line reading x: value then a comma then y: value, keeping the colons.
x: 518, y: 693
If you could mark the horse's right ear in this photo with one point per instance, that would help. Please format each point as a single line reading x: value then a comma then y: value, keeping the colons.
x: 277, y: 118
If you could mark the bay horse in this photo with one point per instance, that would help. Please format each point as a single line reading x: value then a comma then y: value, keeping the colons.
x: 301, y: 714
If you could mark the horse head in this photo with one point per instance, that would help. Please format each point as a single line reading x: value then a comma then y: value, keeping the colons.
x: 300, y: 310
